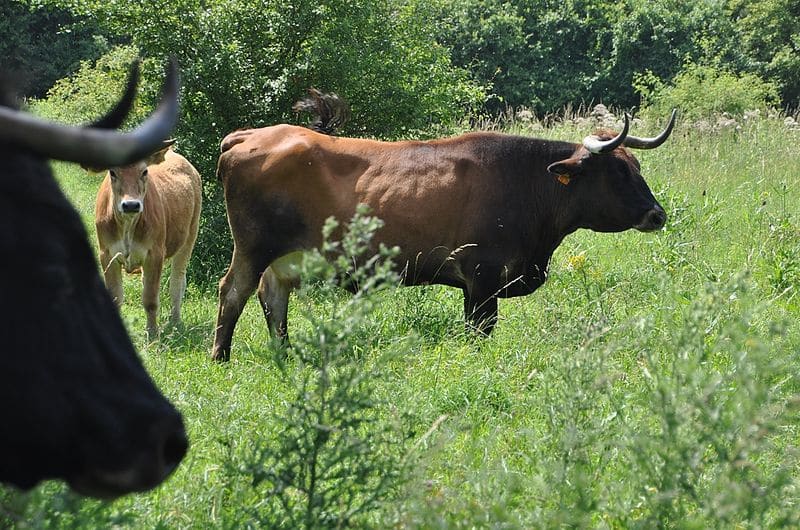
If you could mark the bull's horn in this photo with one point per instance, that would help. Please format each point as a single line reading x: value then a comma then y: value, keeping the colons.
x: 597, y: 146
x: 92, y: 146
x: 652, y: 143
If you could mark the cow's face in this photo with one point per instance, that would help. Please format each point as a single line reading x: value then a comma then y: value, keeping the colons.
x: 77, y: 404
x: 606, y: 185
x: 610, y: 193
x: 129, y: 183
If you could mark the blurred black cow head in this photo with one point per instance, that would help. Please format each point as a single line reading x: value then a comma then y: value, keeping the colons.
x: 77, y: 403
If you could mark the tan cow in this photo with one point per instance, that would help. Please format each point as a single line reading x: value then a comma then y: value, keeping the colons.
x: 146, y: 213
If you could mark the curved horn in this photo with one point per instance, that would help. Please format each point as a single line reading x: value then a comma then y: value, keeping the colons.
x: 651, y: 143
x: 114, y: 118
x: 597, y: 146
x: 92, y: 146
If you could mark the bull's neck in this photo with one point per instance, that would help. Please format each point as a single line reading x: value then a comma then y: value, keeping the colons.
x: 554, y: 209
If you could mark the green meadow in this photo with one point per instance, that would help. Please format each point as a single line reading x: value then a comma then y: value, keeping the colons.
x: 652, y: 382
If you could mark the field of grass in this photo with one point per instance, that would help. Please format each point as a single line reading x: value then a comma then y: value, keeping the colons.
x: 651, y: 382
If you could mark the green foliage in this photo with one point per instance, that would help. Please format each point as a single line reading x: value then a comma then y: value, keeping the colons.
x: 546, y: 55
x: 96, y: 87
x: 659, y: 37
x: 704, y: 91
x: 41, y: 44
x: 782, y: 256
x: 770, y: 36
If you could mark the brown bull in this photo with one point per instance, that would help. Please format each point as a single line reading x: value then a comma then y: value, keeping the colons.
x: 77, y: 404
x: 147, y: 212
x: 482, y: 212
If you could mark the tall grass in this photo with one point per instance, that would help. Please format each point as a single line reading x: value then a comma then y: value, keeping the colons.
x: 652, y: 382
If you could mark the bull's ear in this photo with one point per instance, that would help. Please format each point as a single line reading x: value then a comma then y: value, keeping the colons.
x: 158, y: 156
x: 565, y: 170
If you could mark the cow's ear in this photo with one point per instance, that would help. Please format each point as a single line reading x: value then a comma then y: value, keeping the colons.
x: 565, y: 170
x: 158, y: 156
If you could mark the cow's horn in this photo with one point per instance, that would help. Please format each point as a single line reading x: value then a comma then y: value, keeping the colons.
x: 597, y: 146
x: 652, y: 143
x: 95, y: 147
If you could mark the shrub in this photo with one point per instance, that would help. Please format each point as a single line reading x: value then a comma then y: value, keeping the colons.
x: 92, y: 90
x: 703, y: 91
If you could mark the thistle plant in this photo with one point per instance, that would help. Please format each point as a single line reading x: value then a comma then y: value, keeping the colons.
x: 336, y: 456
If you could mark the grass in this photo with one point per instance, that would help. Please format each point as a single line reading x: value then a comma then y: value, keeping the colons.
x: 651, y: 382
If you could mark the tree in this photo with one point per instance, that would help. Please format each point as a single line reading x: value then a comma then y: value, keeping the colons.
x: 40, y: 44
x: 770, y: 36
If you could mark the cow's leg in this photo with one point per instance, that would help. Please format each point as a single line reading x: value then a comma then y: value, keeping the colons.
x: 112, y: 274
x: 177, y: 282
x: 151, y: 281
x: 276, y: 284
x: 480, y: 306
x: 235, y: 288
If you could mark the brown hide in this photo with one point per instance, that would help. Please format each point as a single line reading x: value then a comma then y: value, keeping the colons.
x: 482, y: 212
x: 166, y: 227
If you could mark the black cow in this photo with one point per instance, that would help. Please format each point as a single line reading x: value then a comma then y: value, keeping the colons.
x: 482, y: 212
x: 77, y: 402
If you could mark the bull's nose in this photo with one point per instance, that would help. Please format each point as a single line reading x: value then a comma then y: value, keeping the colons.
x: 131, y: 206
x: 173, y: 449
x: 655, y: 219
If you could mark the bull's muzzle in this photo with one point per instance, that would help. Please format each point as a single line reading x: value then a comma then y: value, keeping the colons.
x: 131, y: 206
x: 654, y: 219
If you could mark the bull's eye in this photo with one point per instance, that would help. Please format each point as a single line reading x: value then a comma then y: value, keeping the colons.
x: 144, y: 174
x: 113, y: 175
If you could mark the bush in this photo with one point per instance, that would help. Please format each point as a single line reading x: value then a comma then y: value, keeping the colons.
x: 96, y: 87
x: 704, y: 91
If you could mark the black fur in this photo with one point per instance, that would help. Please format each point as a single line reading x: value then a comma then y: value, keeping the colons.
x: 77, y: 402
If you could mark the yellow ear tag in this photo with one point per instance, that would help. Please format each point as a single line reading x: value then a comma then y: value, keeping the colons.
x: 563, y: 179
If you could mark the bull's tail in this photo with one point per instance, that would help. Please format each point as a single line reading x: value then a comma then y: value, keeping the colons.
x: 329, y: 111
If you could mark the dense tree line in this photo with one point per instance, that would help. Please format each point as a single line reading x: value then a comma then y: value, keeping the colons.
x: 410, y: 63
x: 41, y: 44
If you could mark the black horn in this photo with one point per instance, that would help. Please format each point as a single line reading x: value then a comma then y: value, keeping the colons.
x: 597, y: 146
x: 651, y: 143
x: 96, y: 147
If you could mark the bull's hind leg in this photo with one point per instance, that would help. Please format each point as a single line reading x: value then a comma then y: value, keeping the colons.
x: 235, y: 288
x: 276, y: 284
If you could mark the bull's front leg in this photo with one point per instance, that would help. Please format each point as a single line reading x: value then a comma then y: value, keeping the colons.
x: 480, y: 299
x: 480, y: 311
x: 112, y: 274
x: 151, y: 281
